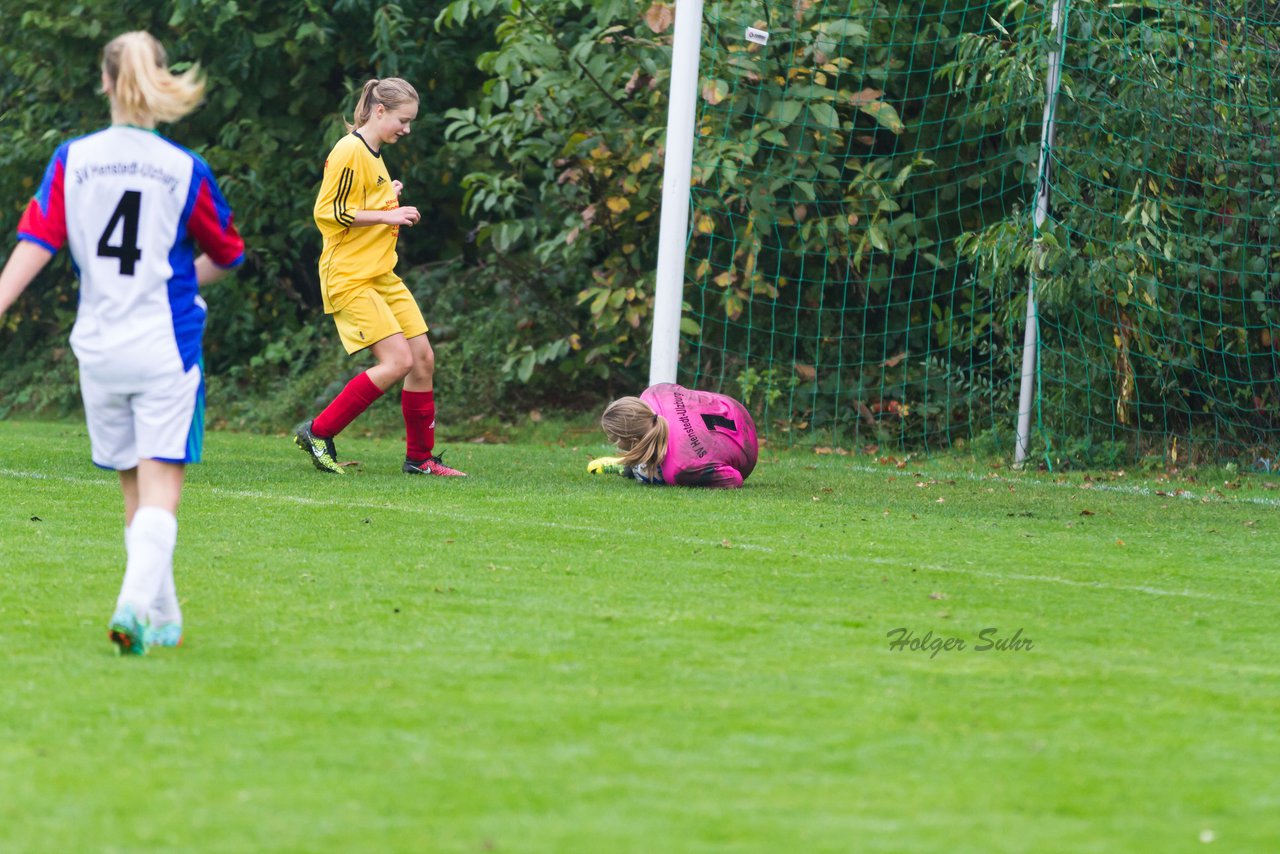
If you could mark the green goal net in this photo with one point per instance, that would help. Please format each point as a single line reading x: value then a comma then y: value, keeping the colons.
x: 1161, y: 290
x: 861, y: 237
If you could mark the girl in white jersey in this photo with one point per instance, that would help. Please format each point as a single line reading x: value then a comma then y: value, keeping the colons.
x: 146, y: 225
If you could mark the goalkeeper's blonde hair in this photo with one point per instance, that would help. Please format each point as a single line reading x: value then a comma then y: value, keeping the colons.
x: 638, y: 432
x: 143, y: 90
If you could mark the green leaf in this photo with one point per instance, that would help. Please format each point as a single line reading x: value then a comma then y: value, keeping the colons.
x: 824, y: 115
x: 844, y: 27
x: 785, y: 112
x: 884, y: 114
x: 527, y: 363
x: 877, y: 238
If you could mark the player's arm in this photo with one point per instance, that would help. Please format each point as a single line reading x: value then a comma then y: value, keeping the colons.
x: 25, y: 262
x: 208, y: 272
x: 42, y: 231
x: 212, y: 226
x: 336, y: 202
x: 640, y: 473
x: 405, y: 215
x: 715, y: 476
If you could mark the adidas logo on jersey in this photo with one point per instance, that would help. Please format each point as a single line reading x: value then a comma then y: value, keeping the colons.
x: 379, y: 182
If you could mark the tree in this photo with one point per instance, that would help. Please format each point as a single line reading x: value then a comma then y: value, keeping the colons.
x: 280, y: 74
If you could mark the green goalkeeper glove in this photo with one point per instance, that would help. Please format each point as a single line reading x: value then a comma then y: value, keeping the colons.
x: 605, y: 465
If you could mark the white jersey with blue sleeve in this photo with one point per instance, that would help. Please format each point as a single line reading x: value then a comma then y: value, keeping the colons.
x: 134, y: 209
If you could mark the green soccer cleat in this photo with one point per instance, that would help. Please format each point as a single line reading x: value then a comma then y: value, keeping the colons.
x: 168, y: 634
x: 127, y: 632
x: 606, y: 465
x: 323, y: 455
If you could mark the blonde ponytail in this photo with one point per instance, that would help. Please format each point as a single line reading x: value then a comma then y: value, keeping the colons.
x: 391, y: 92
x: 143, y: 90
x: 638, y: 432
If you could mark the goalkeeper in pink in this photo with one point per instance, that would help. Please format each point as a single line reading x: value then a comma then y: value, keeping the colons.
x: 675, y: 435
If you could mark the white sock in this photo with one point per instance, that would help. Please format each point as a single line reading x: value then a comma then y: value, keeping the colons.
x: 150, y: 542
x: 165, y: 608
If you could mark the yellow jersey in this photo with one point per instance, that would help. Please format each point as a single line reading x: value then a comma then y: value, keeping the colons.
x: 355, y: 179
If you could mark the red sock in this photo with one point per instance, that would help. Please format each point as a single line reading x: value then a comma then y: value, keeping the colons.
x: 353, y: 400
x: 419, y: 408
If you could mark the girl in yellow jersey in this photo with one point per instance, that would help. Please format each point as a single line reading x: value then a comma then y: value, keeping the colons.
x: 359, y: 214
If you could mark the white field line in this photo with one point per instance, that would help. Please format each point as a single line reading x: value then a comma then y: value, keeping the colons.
x: 1095, y: 585
x: 1174, y: 492
x: 621, y: 532
x: 347, y: 503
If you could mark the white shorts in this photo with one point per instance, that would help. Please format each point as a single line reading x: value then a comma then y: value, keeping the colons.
x: 163, y: 421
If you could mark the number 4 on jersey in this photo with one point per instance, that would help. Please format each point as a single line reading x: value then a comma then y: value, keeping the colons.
x: 128, y: 212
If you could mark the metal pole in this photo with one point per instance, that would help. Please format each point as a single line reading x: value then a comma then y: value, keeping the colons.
x: 1030, y: 341
x: 677, y: 174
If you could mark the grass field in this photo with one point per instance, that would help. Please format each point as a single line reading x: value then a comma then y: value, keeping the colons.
x: 534, y: 660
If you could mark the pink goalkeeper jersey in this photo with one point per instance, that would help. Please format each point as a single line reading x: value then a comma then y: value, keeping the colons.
x: 711, y: 440
x: 133, y: 207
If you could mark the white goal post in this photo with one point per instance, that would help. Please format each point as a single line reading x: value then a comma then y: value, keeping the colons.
x: 677, y: 174
x: 676, y: 184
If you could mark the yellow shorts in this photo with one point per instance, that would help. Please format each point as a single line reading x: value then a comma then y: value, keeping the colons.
x: 380, y: 309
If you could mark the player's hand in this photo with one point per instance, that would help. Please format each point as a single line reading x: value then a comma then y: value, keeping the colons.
x: 397, y: 187
x: 407, y: 216
x: 605, y: 465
